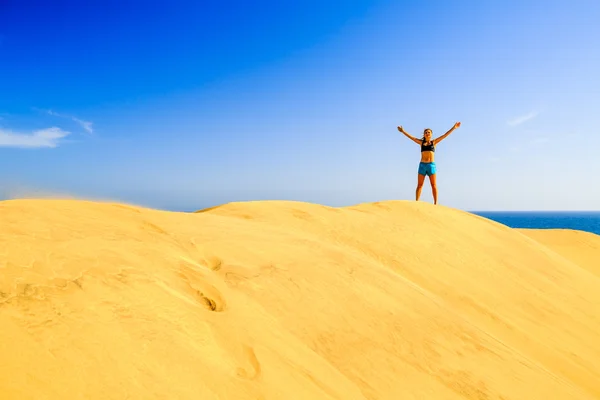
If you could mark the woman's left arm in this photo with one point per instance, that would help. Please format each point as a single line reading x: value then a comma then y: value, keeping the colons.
x: 445, y: 135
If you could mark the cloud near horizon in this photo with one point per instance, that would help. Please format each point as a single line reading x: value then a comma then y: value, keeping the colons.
x: 522, y: 119
x: 48, y: 138
x: 22, y: 192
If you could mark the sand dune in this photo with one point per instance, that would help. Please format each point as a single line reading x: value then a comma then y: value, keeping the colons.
x: 288, y: 300
x: 582, y: 248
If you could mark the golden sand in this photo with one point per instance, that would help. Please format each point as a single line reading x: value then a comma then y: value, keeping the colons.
x: 288, y: 300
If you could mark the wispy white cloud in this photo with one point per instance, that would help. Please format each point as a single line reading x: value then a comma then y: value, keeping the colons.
x: 539, y: 140
x: 522, y: 119
x: 49, y: 137
x: 517, y: 148
x: 86, y: 125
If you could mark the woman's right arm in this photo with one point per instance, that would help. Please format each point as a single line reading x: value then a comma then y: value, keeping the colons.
x: 417, y: 141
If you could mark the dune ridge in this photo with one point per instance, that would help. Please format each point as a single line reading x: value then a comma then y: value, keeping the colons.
x: 281, y: 299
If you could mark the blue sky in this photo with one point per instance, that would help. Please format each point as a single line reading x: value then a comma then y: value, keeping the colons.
x: 183, y: 105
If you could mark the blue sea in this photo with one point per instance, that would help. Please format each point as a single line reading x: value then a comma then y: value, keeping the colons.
x: 588, y: 221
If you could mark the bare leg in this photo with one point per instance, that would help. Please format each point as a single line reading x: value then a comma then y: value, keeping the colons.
x: 432, y: 180
x: 420, y: 181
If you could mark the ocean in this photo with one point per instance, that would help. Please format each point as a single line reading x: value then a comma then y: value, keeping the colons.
x: 588, y: 221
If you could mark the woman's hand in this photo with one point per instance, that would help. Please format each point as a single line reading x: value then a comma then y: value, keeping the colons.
x: 457, y: 125
x: 401, y: 129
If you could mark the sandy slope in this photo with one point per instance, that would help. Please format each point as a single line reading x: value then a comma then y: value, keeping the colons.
x: 284, y: 300
x: 582, y: 248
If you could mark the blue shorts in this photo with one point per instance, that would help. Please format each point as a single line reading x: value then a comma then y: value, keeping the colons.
x: 427, y: 168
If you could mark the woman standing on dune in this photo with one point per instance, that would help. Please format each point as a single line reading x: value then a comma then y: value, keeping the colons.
x: 427, y: 164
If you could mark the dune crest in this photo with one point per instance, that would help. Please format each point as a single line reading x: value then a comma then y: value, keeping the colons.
x: 290, y: 300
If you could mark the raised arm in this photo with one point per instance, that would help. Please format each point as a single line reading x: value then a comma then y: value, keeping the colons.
x: 445, y: 135
x: 417, y: 141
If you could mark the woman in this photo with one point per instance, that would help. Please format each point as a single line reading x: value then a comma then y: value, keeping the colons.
x: 427, y: 164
